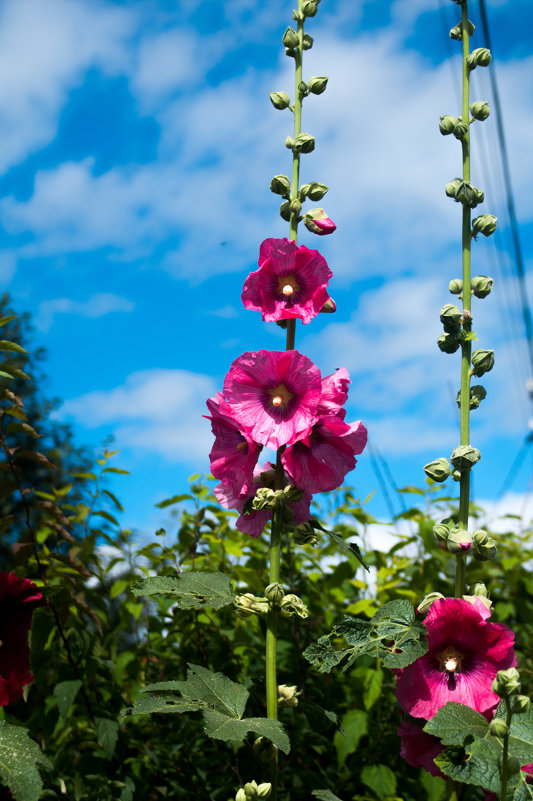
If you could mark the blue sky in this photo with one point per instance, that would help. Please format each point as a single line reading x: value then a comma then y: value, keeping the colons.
x: 138, y: 143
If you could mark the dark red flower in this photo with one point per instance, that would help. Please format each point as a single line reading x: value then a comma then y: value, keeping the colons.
x: 18, y: 598
x: 419, y: 748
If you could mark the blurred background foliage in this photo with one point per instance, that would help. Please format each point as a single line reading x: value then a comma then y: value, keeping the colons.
x: 95, y: 645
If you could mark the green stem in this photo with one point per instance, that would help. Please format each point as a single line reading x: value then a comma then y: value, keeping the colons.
x: 505, y: 753
x: 466, y: 347
x: 295, y: 183
x: 272, y: 636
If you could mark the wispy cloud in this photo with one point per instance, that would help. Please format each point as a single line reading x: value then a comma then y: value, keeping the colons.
x: 96, y: 306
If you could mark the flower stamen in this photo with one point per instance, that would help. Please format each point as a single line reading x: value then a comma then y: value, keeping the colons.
x: 280, y: 396
x: 450, y: 660
x: 288, y: 290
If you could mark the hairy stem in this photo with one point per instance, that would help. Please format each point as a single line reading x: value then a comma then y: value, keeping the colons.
x: 505, y: 752
x: 272, y: 635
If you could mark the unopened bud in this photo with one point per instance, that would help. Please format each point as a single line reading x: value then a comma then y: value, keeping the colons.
x: 316, y: 191
x: 309, y: 8
x: 293, y: 493
x: 428, y: 600
x: 460, y: 130
x: 485, y: 224
x: 464, y: 457
x: 457, y: 31
x: 451, y: 317
x: 290, y: 39
x: 329, y: 306
x: 241, y: 795
x: 318, y: 85
x: 264, y: 790
x: 480, y: 110
x: 468, y: 194
x: 274, y: 593
x: 480, y: 57
x: 459, y: 541
x: 287, y: 696
x: 447, y: 124
x: 513, y: 765
x: 482, y: 285
x: 438, y: 470
x: 455, y: 286
x: 498, y: 727
x: 303, y: 89
x: 305, y: 534
x: 520, y: 704
x: 280, y: 185
x: 448, y: 343
x: 477, y: 394
x: 318, y: 222
x: 506, y: 683
x: 480, y: 537
x: 452, y: 187
x: 250, y: 789
x: 478, y: 589
x: 289, y: 143
x: 456, y: 475
x: 485, y: 552
x: 482, y: 361
x: 304, y: 143
x: 285, y: 211
x: 307, y: 42
x: 295, y: 206
x: 292, y: 605
x: 442, y: 529
x: 280, y: 100
x: 248, y: 604
x: 264, y: 749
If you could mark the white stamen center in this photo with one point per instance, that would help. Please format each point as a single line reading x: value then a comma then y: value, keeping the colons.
x: 450, y: 665
x: 277, y: 400
x: 287, y: 290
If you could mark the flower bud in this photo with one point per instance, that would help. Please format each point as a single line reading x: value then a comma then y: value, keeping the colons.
x: 452, y: 187
x: 498, y: 727
x: 307, y: 42
x: 464, y: 457
x: 304, y: 143
x: 292, y: 605
x: 460, y: 130
x: 482, y: 361
x: 293, y: 493
x: 456, y: 475
x: 459, y: 541
x: 305, y: 534
x: 247, y: 604
x: 520, y: 704
x: 480, y: 110
x: 513, y: 765
x: 264, y: 790
x: 484, y: 552
x: 309, y: 8
x: 479, y: 589
x: 316, y: 191
x: 480, y: 57
x: 290, y: 39
x: 280, y: 100
x: 468, y: 194
x: 485, y: 224
x: 451, y: 317
x: 456, y: 32
x: 442, y: 529
x: 264, y: 749
x: 329, y: 306
x: 480, y: 537
x: 317, y: 85
x: 287, y: 696
x: 290, y: 143
x: 506, y: 683
x: 473, y: 598
x: 274, y: 593
x: 428, y: 600
x: 455, y: 286
x: 318, y: 222
x: 250, y: 789
x: 303, y: 89
x: 448, y: 343
x: 482, y: 285
x: 285, y: 211
x: 241, y: 795
x: 438, y: 470
x: 295, y: 206
x: 447, y: 124
x: 280, y: 185
x: 477, y: 394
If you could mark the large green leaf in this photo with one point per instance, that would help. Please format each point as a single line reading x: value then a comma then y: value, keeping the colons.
x: 222, y: 727
x: 380, y: 779
x: 524, y: 792
x: 481, y: 766
x: 19, y: 756
x: 454, y: 723
x: 194, y: 589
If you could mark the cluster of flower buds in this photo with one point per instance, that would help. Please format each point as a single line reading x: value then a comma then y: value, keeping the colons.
x: 266, y: 498
x: 457, y: 31
x: 477, y: 394
x: 451, y: 318
x: 252, y: 790
x: 480, y: 57
x: 458, y: 540
x: 249, y: 604
x: 464, y: 192
x: 288, y: 696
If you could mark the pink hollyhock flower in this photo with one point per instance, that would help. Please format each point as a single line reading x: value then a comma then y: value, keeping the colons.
x: 465, y: 651
x: 318, y: 222
x: 419, y: 748
x: 274, y: 395
x: 255, y: 521
x: 290, y: 283
x: 334, y: 393
x: 18, y: 598
x: 234, y: 454
x: 320, y: 461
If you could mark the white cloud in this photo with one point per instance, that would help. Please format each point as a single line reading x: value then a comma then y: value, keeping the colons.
x: 97, y: 305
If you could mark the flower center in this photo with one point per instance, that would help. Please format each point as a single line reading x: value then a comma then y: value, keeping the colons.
x: 288, y: 289
x: 450, y: 660
x: 288, y: 285
x: 280, y: 396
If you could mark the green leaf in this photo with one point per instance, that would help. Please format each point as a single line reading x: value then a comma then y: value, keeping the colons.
x: 380, y: 779
x: 481, y: 766
x: 22, y: 428
x: 173, y: 500
x: 108, y: 517
x: 222, y: 727
x: 373, y: 682
x: 325, y: 795
x: 19, y: 756
x: 11, y: 346
x: 355, y: 726
x: 65, y: 693
x: 524, y: 791
x: 114, y: 499
x: 454, y: 722
x: 116, y: 470
x: 194, y: 589
x: 348, y: 548
x: 107, y: 734
x: 4, y: 320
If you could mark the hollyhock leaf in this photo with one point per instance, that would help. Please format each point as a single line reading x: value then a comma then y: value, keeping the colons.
x: 325, y: 795
x: 480, y: 767
x: 323, y: 656
x: 194, y: 589
x: 19, y: 757
x: 222, y: 727
x: 65, y: 693
x: 380, y: 779
x: 401, y: 639
x: 454, y: 723
x: 524, y: 791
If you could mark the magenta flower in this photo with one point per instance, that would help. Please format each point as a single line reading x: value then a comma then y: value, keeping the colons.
x: 18, y: 598
x: 234, y: 454
x: 419, y: 748
x: 290, y: 283
x: 318, y: 222
x: 334, y: 393
x: 319, y: 462
x: 273, y: 395
x: 465, y: 651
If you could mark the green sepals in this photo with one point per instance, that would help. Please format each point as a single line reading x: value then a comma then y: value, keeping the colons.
x: 280, y: 185
x: 304, y: 143
x: 317, y: 85
x: 478, y: 589
x: 457, y: 31
x: 292, y: 605
x: 447, y: 124
x: 305, y: 534
x: 249, y: 604
x: 482, y: 361
x: 482, y: 284
x: 288, y: 696
x: 498, y: 728
x: 280, y: 100
x: 303, y: 89
x: 297, y: 15
x: 438, y: 470
x: 329, y: 307
x: 285, y: 211
x: 290, y: 39
x: 480, y: 57
x: 425, y: 604
x: 460, y: 130
x: 485, y: 224
x: 192, y: 589
x: 451, y: 317
x: 480, y: 110
x: 316, y: 190
x: 477, y: 394
x: 452, y: 187
x: 455, y: 286
x: 464, y: 457
x: 468, y: 194
x: 520, y: 704
x: 307, y: 41
x: 506, y: 683
x: 274, y: 593
x: 459, y: 540
x: 289, y: 143
x: 484, y: 551
x: 449, y: 343
x: 295, y: 206
x: 309, y: 8
x: 442, y: 530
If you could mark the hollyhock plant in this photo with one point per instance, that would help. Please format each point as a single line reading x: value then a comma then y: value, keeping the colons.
x: 234, y: 454
x: 290, y: 283
x: 18, y: 598
x: 274, y: 395
x: 419, y: 748
x: 465, y: 651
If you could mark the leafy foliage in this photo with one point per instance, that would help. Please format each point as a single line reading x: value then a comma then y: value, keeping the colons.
x: 195, y: 589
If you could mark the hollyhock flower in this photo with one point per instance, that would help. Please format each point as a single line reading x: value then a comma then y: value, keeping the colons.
x: 290, y: 283
x: 18, y: 598
x: 254, y: 522
x: 274, y: 395
x: 234, y: 454
x: 465, y: 651
x: 334, y: 393
x: 318, y: 222
x: 320, y: 461
x: 419, y: 748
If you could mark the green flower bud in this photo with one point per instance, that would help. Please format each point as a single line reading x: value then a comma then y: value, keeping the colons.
x: 473, y: 598
x: 442, y: 530
x: 468, y: 194
x: 520, y: 704
x: 480, y: 537
x: 304, y: 143
x: 438, y: 470
x: 280, y: 100
x: 452, y: 187
x: 292, y: 493
x: 480, y: 110
x: 456, y: 32
x: 482, y: 285
x: 480, y: 196
x: 318, y: 85
x: 482, y: 361
x: 292, y: 605
x: 290, y: 143
x: 241, y: 795
x: 485, y: 224
x: 250, y: 789
x: 464, y: 457
x: 455, y: 286
x: 316, y: 190
x: 506, y: 683
x: 486, y: 551
x: 295, y: 206
x: 264, y: 749
x: 305, y: 534
x: 290, y: 39
x: 460, y: 130
x: 513, y: 765
x: 448, y: 343
x: 447, y: 124
x: 329, y: 307
x: 309, y: 8
x: 307, y: 42
x: 478, y: 589
x: 498, y: 727
x: 265, y: 498
x: 280, y: 185
x: 285, y: 211
x: 480, y: 56
x: 451, y: 317
x: 303, y: 89
x: 264, y: 790
x: 249, y: 604
x: 477, y: 394
x: 287, y: 696
x: 456, y: 475
x: 459, y: 541
x: 274, y: 593
x: 428, y: 600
